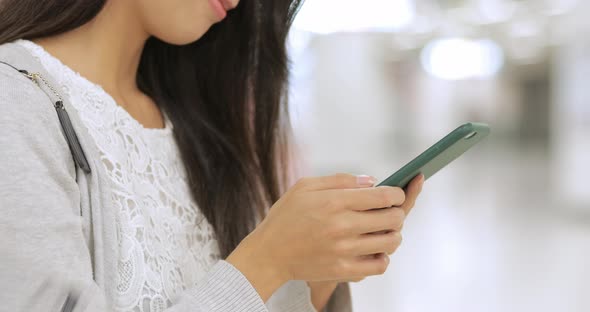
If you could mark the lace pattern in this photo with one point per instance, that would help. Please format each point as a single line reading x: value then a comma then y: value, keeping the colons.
x: 166, y: 244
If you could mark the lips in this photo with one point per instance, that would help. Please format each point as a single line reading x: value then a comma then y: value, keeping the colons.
x: 227, y: 4
x: 218, y: 8
x: 221, y: 7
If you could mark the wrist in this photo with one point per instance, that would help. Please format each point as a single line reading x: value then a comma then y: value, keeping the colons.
x: 256, y: 263
x: 321, y: 292
x: 325, y: 285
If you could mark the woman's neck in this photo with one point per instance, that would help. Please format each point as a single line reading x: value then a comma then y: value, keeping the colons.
x: 107, y: 50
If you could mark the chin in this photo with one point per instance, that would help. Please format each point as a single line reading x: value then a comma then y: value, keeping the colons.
x: 184, y: 35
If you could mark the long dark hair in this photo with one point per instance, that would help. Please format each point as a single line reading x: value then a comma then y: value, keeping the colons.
x: 225, y: 95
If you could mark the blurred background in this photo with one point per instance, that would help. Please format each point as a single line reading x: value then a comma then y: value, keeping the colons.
x: 507, y: 226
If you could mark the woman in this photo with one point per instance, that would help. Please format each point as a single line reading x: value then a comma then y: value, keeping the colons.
x: 164, y: 199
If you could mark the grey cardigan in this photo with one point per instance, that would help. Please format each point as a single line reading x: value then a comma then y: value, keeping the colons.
x: 57, y: 226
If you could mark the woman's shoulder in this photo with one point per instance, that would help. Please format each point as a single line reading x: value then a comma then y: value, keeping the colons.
x: 19, y: 97
x: 16, y: 87
x: 24, y: 105
x: 28, y: 120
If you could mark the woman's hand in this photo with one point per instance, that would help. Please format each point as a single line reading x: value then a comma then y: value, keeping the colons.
x: 324, y: 228
x: 413, y: 191
x: 322, y: 291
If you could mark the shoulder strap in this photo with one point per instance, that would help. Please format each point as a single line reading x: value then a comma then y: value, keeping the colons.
x: 64, y: 119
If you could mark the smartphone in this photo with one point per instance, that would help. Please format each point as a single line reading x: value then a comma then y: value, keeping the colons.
x: 440, y: 154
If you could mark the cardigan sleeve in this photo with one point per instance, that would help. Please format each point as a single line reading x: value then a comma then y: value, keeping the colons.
x: 44, y: 255
x: 340, y: 301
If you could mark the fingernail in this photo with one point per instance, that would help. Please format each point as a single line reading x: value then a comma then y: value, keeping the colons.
x: 365, y: 180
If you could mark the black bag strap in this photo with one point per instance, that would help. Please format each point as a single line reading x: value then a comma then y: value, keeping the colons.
x: 64, y: 119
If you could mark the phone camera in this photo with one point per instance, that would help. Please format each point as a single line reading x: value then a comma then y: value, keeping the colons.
x: 471, y: 135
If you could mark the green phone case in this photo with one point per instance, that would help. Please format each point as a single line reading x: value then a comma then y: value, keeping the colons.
x: 440, y: 154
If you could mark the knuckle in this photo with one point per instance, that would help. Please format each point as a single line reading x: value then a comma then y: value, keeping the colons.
x: 333, y: 203
x: 342, y: 248
x: 390, y: 249
x: 398, y: 213
x: 385, y: 197
x: 343, y: 226
x: 344, y: 180
x: 397, y: 239
x: 381, y: 267
x: 343, y: 268
x: 391, y: 196
x: 394, y: 242
x: 400, y: 195
x: 397, y: 218
x: 342, y: 175
x: 339, y: 229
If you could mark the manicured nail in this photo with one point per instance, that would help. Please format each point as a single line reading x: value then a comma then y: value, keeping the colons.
x: 365, y: 180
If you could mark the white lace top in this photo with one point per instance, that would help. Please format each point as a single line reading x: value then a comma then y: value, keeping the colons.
x: 166, y: 244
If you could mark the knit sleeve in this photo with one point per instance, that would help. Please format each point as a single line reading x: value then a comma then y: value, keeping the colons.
x: 44, y: 255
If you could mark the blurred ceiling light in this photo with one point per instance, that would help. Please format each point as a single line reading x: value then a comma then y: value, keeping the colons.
x: 526, y: 41
x: 328, y: 16
x: 559, y: 7
x: 525, y: 28
x: 459, y: 58
x: 496, y: 11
